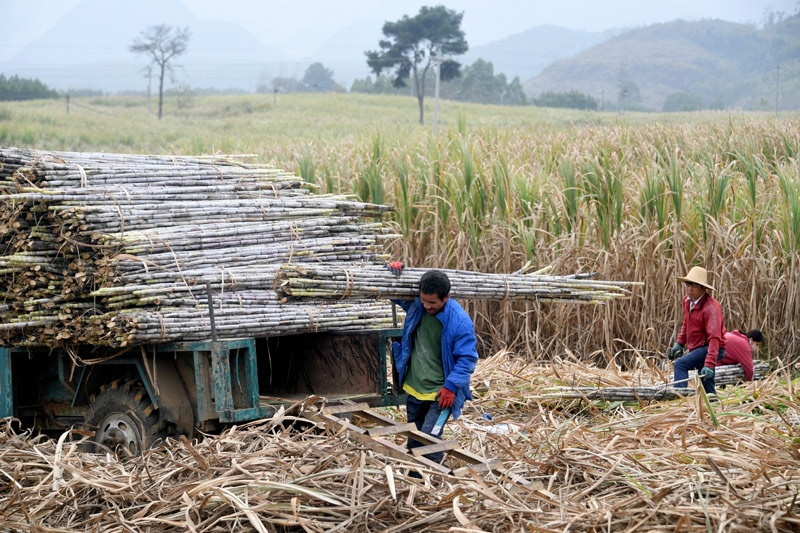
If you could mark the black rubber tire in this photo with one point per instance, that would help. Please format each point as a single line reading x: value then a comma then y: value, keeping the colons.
x: 123, y: 419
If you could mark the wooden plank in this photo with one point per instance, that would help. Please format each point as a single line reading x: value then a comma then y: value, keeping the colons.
x: 371, y: 439
x: 378, y: 418
x: 397, y: 452
x: 381, y: 446
x: 344, y: 408
x: 391, y: 430
x: 335, y: 422
x: 467, y: 456
x: 423, y: 438
x: 494, y: 464
x: 433, y: 448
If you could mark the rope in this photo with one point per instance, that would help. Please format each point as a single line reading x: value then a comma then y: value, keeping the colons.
x: 180, y: 271
x: 147, y: 368
x: 349, y: 283
x: 311, y: 323
x: 296, y: 234
x: 127, y: 193
x: 121, y: 221
x: 505, y: 296
x: 83, y: 176
x: 263, y: 210
x: 163, y: 327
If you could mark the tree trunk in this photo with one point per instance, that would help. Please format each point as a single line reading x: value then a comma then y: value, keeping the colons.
x: 161, y: 91
x: 420, y: 94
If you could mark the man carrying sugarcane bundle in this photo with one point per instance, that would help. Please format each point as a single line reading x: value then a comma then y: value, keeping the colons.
x: 703, y: 330
x: 436, y: 357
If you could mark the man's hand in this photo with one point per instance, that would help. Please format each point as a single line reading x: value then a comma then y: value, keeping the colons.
x: 675, y: 352
x: 706, y: 373
x: 396, y: 267
x: 445, y: 397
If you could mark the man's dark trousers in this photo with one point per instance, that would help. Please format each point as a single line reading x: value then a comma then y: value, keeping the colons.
x: 424, y: 414
x: 695, y: 360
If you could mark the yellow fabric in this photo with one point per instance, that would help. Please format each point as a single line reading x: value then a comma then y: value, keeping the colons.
x: 431, y: 396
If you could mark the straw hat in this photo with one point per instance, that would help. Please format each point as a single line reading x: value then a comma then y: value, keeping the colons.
x: 697, y: 275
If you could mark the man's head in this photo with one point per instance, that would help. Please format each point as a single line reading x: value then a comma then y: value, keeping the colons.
x: 756, y: 340
x: 434, y: 290
x: 694, y: 290
x: 696, y: 282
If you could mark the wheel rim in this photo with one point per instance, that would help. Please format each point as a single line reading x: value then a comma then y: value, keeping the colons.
x: 120, y: 430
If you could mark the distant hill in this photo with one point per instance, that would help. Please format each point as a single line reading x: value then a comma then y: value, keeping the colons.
x: 526, y: 54
x: 77, y: 53
x: 716, y: 60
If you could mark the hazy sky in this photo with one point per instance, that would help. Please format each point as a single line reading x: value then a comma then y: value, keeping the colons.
x: 298, y: 26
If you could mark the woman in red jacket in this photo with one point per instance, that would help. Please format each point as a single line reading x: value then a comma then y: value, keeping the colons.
x: 740, y: 349
x: 703, y: 330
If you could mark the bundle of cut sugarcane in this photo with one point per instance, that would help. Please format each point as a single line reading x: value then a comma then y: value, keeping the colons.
x: 236, y: 314
x: 733, y: 374
x: 723, y: 376
x: 113, y: 249
x: 80, y: 169
x: 372, y: 281
x: 619, y: 394
x: 128, y: 217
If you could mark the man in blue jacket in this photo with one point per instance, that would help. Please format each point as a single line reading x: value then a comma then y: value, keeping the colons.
x: 436, y: 357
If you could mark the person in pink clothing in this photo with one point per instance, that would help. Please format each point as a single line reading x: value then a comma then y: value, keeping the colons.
x: 740, y: 349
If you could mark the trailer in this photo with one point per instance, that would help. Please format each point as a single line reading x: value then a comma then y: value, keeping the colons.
x: 135, y: 397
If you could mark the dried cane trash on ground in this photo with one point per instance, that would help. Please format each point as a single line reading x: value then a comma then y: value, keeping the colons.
x: 660, y: 466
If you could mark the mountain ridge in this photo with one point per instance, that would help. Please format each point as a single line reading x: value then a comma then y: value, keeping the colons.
x: 717, y: 60
x: 537, y: 47
x: 98, y: 57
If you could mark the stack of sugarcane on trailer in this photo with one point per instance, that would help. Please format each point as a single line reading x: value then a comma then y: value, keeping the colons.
x: 122, y: 249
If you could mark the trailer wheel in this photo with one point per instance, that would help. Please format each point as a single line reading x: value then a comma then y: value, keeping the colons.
x: 123, y: 418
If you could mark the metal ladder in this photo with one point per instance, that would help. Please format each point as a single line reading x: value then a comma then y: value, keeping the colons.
x: 373, y: 438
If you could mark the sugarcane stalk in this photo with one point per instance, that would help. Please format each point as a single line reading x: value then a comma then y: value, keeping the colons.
x: 294, y: 282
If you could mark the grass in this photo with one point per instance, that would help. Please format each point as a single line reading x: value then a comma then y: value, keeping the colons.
x: 682, y: 465
x: 639, y: 197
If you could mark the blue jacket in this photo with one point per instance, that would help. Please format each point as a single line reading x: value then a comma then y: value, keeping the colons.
x: 459, y: 354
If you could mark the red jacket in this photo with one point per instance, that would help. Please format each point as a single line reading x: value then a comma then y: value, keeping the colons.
x: 737, y: 350
x: 703, y: 326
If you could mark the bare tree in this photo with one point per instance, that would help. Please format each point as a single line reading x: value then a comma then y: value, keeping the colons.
x: 162, y: 43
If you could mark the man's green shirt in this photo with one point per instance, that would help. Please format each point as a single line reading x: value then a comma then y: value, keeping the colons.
x: 425, y: 374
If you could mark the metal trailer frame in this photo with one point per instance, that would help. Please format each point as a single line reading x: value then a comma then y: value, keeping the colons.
x: 225, y: 375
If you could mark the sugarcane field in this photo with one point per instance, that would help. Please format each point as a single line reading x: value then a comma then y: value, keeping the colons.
x: 221, y: 320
